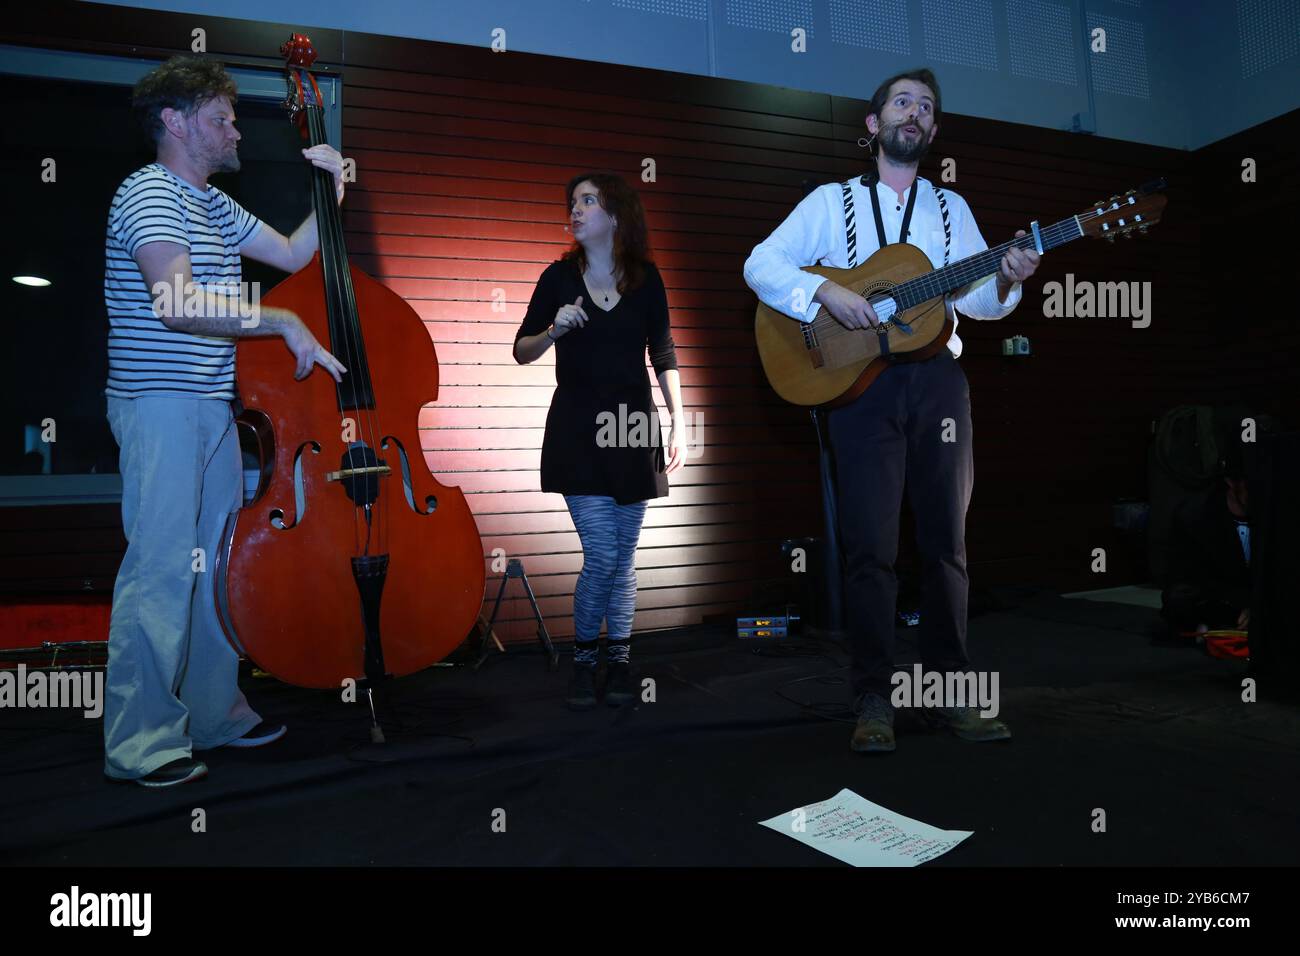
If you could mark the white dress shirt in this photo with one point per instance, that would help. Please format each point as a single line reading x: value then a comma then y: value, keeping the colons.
x: 814, y: 233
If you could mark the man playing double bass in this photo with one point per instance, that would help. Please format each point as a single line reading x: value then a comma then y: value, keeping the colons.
x: 172, y: 676
x: 894, y: 432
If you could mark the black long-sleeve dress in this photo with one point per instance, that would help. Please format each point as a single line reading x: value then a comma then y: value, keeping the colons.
x: 598, y: 368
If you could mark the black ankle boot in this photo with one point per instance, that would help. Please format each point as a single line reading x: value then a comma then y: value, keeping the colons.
x: 619, y: 689
x: 582, y: 689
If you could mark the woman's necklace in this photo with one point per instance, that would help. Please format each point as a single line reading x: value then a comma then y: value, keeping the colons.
x: 600, y: 290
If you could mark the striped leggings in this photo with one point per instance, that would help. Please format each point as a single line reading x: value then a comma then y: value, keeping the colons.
x: 606, y: 588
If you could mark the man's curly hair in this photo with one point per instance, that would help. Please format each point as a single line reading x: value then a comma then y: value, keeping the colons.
x: 183, y: 83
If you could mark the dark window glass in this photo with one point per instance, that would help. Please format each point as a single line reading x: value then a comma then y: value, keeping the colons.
x: 54, y: 363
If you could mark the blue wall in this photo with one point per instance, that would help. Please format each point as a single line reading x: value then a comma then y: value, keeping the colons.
x: 1178, y: 73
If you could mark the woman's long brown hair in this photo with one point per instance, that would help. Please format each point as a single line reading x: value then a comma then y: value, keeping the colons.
x: 631, y: 248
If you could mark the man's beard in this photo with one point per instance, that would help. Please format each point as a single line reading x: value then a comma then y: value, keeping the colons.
x: 227, y: 162
x: 215, y: 159
x: 230, y: 164
x: 902, y: 150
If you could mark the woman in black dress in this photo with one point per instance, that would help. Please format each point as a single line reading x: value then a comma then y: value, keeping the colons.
x: 602, y: 305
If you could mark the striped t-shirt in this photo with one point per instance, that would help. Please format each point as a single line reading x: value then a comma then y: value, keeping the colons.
x: 145, y: 357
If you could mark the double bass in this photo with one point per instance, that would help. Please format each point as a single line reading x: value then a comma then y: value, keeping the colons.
x: 352, y: 560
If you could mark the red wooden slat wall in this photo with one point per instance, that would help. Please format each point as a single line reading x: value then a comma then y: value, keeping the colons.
x: 459, y: 200
x: 462, y: 155
x: 460, y: 195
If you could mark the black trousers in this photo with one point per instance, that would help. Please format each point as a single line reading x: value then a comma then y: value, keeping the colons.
x: 910, y: 429
x: 1185, y: 606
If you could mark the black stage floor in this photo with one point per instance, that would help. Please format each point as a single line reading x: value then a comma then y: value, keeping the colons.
x: 1102, y: 717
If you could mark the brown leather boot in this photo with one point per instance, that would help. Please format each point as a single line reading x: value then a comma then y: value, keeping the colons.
x: 966, y: 723
x: 875, y: 730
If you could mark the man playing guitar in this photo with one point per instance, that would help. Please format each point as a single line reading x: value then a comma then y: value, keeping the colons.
x: 912, y: 426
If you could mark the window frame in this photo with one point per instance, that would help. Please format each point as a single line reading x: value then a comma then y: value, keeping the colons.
x: 254, y: 83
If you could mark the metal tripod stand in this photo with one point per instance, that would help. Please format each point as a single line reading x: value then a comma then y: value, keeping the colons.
x: 515, y: 569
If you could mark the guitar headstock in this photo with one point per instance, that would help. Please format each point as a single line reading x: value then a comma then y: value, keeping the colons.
x: 1138, y: 209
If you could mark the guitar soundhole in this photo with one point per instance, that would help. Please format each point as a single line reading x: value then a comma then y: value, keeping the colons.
x: 878, y: 295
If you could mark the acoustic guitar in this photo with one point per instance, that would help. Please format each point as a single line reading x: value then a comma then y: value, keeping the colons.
x: 823, y: 363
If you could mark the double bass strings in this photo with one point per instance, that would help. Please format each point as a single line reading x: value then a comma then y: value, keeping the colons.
x: 352, y: 319
x: 362, y: 391
x: 341, y: 299
x: 329, y: 270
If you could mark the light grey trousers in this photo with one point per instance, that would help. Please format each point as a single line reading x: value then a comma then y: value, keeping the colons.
x: 172, y: 682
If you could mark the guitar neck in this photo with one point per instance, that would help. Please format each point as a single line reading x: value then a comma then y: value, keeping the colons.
x: 963, y: 273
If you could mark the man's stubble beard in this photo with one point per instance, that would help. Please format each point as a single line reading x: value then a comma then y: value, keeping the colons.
x: 226, y: 162
x: 215, y: 160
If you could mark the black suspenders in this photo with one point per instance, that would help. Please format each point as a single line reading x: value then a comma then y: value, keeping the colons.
x: 850, y: 226
x: 850, y: 222
x: 907, y: 215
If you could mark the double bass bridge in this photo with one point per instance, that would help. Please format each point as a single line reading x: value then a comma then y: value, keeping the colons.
x: 350, y: 472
